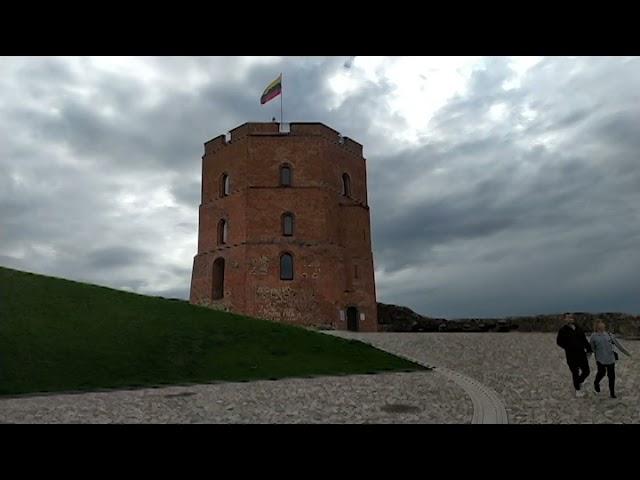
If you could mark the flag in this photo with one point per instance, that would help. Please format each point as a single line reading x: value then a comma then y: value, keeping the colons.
x: 272, y: 91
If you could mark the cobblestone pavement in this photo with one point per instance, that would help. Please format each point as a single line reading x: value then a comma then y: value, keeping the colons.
x: 417, y: 397
x: 488, y: 407
x: 528, y: 371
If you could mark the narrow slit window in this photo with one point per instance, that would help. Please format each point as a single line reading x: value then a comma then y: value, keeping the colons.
x: 222, y: 232
x: 287, y: 224
x: 346, y: 185
x: 224, y: 185
x: 286, y: 266
x: 285, y: 176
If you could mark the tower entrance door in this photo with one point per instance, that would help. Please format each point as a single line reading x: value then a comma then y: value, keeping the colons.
x: 352, y: 319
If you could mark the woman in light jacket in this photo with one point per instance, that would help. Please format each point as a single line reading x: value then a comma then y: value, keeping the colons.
x: 602, y: 343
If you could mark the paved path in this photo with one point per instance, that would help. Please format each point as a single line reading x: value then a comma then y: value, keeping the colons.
x: 415, y: 397
x: 488, y: 407
x: 529, y: 373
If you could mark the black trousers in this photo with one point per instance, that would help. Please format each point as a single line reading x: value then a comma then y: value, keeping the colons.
x: 579, y: 366
x: 610, y: 371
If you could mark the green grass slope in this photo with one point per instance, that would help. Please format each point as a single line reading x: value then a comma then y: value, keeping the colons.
x: 59, y: 335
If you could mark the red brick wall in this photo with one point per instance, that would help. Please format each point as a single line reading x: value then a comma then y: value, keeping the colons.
x: 331, y: 235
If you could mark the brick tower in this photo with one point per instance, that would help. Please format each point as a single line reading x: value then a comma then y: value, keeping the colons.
x: 284, y: 230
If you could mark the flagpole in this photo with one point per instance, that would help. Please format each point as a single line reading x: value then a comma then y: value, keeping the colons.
x: 281, y: 95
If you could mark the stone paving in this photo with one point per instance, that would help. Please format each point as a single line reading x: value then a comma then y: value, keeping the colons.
x: 416, y: 397
x: 528, y: 371
x: 488, y: 407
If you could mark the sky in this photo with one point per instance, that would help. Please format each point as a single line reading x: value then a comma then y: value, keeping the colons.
x: 498, y: 186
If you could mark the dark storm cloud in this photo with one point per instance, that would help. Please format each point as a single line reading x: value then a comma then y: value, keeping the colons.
x: 117, y: 128
x: 517, y: 226
x: 187, y: 192
x: 10, y: 262
x: 514, y: 201
x: 179, y: 293
x: 114, y: 257
x: 88, y: 152
x: 619, y: 130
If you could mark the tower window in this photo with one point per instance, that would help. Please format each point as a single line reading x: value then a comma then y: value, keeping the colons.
x: 285, y: 176
x: 355, y: 272
x: 286, y: 266
x: 287, y: 224
x: 346, y: 185
x: 222, y: 232
x: 224, y: 185
x: 217, y: 291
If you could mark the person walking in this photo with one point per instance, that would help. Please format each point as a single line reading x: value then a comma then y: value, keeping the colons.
x: 572, y: 339
x: 602, y: 343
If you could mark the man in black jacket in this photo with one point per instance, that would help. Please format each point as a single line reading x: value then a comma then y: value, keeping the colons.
x: 574, y: 342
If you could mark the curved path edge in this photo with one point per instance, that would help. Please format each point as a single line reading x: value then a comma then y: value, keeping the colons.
x: 488, y: 407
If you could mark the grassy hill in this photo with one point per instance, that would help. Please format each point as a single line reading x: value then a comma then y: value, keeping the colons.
x: 60, y: 335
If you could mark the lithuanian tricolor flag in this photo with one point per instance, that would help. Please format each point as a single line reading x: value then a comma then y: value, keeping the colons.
x: 272, y: 91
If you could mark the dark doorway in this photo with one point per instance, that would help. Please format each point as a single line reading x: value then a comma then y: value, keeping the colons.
x: 352, y: 319
x: 218, y: 279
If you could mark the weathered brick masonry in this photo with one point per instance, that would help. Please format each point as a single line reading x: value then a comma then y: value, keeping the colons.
x: 333, y: 276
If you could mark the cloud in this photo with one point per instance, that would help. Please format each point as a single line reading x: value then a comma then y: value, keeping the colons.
x: 114, y: 257
x: 348, y: 62
x: 514, y: 221
x: 497, y: 186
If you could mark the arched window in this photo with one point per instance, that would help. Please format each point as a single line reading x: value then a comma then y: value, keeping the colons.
x: 222, y: 232
x: 346, y: 185
x: 286, y: 266
x: 285, y: 176
x: 287, y: 224
x: 217, y: 291
x: 224, y: 185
